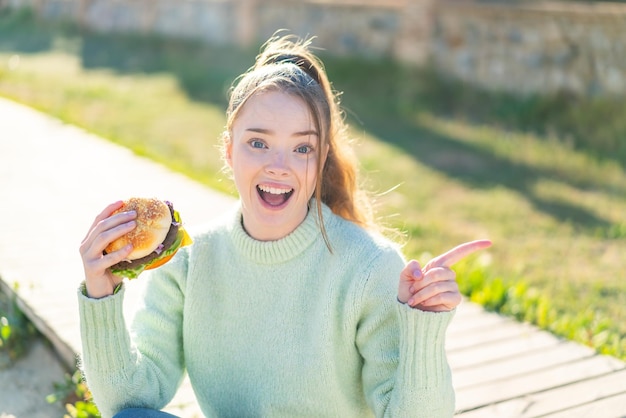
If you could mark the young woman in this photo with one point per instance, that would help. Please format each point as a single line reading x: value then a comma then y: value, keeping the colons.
x: 292, y: 305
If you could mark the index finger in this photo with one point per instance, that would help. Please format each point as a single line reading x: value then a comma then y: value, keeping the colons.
x: 103, y: 215
x: 456, y: 254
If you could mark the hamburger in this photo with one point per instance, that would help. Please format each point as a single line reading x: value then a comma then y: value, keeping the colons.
x: 159, y: 234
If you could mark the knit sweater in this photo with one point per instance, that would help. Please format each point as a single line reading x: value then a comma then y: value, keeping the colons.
x: 272, y: 329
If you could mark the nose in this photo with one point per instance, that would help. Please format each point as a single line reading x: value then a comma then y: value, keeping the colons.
x: 277, y: 164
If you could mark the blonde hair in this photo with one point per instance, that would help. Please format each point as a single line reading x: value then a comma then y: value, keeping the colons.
x: 286, y: 64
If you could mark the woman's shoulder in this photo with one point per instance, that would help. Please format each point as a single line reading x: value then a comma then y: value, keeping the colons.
x: 347, y: 236
x: 374, y: 260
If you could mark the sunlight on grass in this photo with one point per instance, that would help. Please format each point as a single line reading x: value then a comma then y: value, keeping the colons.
x: 550, y: 155
x: 605, y: 207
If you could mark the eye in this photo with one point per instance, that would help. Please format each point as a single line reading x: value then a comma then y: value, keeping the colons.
x: 304, y: 149
x: 255, y: 143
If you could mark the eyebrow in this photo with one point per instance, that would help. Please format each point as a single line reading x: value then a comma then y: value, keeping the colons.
x: 270, y: 132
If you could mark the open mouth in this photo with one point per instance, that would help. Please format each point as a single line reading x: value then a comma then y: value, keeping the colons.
x: 274, y: 196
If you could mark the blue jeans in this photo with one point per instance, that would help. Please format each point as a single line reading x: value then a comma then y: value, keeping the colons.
x: 142, y: 413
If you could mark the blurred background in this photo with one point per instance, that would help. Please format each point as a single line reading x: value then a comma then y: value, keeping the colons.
x: 471, y: 119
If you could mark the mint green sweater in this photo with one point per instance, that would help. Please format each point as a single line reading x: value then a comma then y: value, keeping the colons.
x: 272, y: 329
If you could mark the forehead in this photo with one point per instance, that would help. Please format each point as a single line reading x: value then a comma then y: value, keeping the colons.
x: 275, y: 107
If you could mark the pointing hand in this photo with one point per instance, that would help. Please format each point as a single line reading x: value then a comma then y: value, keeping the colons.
x: 434, y: 287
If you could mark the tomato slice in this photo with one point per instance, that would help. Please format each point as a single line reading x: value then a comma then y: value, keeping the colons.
x: 160, y: 261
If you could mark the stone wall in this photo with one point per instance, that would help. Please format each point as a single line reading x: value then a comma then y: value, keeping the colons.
x: 344, y: 29
x: 520, y: 46
x: 534, y: 47
x: 361, y: 27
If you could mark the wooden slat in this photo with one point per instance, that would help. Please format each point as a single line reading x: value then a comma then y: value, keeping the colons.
x: 611, y: 407
x: 518, y: 387
x: 463, y: 325
x: 525, y: 363
x: 602, y: 396
x: 587, y: 391
x: 479, y: 337
x: 500, y: 350
x: 466, y: 308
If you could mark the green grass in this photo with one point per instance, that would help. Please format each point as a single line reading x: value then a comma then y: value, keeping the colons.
x: 16, y: 332
x: 542, y: 176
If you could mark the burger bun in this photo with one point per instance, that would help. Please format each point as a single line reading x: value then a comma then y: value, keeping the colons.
x: 153, y: 223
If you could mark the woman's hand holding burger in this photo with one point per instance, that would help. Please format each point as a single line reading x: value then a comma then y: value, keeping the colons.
x: 128, y: 237
x: 106, y: 228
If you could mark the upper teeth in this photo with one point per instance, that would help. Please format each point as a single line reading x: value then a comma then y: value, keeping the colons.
x: 273, y: 190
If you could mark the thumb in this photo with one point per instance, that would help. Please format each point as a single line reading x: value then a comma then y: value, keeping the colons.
x: 412, y: 271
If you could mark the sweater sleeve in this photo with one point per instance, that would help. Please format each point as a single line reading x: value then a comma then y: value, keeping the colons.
x: 405, y: 368
x: 140, y: 367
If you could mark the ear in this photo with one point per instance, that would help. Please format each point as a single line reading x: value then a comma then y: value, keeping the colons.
x: 228, y: 149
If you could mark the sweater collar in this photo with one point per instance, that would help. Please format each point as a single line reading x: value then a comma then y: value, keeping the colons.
x: 284, y: 249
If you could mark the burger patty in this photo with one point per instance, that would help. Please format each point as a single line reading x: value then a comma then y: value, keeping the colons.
x: 167, y: 243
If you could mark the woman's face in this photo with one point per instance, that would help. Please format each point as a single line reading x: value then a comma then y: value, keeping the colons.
x: 273, y: 153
